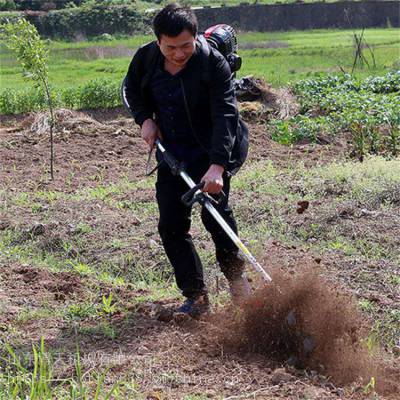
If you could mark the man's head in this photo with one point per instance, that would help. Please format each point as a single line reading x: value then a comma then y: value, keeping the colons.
x: 176, y: 31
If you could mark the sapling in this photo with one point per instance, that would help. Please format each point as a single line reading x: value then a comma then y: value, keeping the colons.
x: 31, y: 51
x: 108, y: 307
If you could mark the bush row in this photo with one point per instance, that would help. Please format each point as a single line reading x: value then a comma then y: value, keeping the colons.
x: 86, y: 21
x: 46, y: 5
x: 98, y: 93
x: 90, y: 21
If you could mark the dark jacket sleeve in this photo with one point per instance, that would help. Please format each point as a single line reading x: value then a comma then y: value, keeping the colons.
x: 132, y: 89
x: 224, y: 112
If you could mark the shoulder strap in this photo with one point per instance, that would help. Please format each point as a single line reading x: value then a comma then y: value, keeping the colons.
x: 149, y: 61
x: 205, y: 47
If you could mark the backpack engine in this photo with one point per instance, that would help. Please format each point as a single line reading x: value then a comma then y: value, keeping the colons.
x: 223, y: 38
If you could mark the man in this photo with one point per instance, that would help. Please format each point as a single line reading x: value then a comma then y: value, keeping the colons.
x: 179, y: 90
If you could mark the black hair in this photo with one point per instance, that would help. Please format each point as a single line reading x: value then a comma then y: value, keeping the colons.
x: 173, y: 20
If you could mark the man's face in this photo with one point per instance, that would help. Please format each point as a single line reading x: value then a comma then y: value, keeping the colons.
x: 178, y: 50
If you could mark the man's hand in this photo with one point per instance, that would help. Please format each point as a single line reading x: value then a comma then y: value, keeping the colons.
x: 213, y: 179
x: 150, y: 132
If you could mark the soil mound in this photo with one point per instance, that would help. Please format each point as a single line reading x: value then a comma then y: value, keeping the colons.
x: 276, y: 103
x: 69, y: 121
x: 304, y: 321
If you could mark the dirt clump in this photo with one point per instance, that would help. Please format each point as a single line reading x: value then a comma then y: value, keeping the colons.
x: 60, y: 283
x: 69, y: 121
x: 305, y: 322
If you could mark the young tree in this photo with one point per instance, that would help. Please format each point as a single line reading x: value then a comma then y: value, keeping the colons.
x: 31, y: 51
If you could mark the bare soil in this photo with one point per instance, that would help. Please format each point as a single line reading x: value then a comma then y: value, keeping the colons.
x: 257, y: 352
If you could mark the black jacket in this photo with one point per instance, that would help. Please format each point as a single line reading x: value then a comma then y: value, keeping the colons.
x: 210, y: 101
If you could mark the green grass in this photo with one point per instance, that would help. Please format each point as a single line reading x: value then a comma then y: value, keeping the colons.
x: 19, y: 380
x: 304, y: 53
x: 367, y: 182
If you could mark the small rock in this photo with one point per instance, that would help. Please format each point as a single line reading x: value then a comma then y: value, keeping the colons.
x: 59, y: 296
x: 308, y: 344
x: 293, y: 361
x: 153, y: 244
x: 181, y: 318
x: 311, y: 393
x: 4, y: 225
x: 165, y: 315
x: 38, y: 229
x: 302, y: 206
x: 210, y: 393
x: 153, y: 396
x: 72, y: 253
x: 280, y: 376
x: 291, y: 318
x: 368, y: 213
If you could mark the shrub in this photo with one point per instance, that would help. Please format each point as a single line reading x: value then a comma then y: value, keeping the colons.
x: 10, y: 16
x: 7, y: 5
x: 23, y: 101
x: 90, y: 21
x: 100, y: 93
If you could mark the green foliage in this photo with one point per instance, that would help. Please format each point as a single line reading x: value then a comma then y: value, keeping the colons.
x: 92, y: 3
x: 43, y: 4
x: 108, y: 308
x: 97, y: 93
x: 92, y: 20
x: 81, y: 311
x: 370, y: 386
x: 33, y: 379
x: 21, y: 381
x: 23, y: 101
x: 7, y: 5
x: 9, y: 16
x: 368, y: 109
x: 298, y: 128
x: 23, y: 38
x: 32, y: 53
x: 389, y: 83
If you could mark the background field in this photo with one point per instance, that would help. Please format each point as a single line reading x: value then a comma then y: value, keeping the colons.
x: 279, y: 57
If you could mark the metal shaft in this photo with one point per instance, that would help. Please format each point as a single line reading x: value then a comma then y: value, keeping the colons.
x: 224, y: 225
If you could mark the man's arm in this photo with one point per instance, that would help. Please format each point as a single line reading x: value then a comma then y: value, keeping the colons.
x: 137, y: 106
x: 140, y: 111
x: 224, y: 120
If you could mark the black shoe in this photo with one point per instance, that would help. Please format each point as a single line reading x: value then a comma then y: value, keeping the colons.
x: 195, y: 306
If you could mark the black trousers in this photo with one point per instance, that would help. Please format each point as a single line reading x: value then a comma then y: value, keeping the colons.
x: 174, y: 225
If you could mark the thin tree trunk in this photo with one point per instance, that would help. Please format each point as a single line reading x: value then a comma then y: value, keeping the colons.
x: 49, y: 102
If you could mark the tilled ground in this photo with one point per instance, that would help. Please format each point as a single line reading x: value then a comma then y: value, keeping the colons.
x: 100, y: 212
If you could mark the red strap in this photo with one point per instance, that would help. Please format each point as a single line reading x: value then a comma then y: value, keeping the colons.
x: 211, y: 29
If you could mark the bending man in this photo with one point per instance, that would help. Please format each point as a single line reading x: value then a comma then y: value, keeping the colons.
x: 179, y: 89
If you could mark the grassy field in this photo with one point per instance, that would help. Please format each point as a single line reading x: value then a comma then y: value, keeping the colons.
x: 279, y: 57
